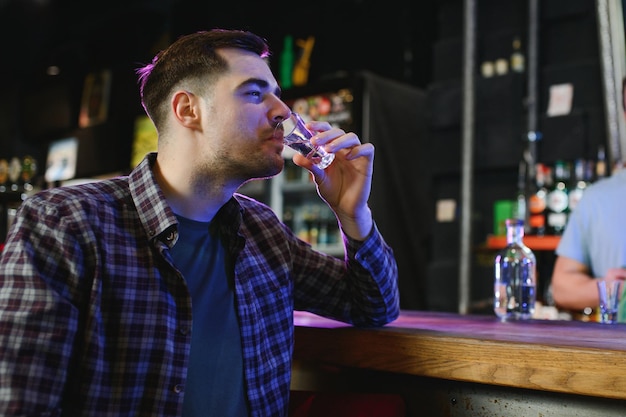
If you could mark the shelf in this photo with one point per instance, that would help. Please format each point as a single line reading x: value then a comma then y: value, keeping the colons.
x: 533, y: 242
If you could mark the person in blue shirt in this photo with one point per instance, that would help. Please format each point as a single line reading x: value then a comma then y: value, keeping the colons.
x: 593, y: 245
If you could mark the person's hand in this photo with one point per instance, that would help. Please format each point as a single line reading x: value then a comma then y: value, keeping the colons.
x: 615, y: 274
x: 346, y: 184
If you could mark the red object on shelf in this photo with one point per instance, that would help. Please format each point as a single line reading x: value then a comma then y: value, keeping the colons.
x: 533, y: 242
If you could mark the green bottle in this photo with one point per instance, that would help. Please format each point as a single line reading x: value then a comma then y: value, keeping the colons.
x: 286, y: 63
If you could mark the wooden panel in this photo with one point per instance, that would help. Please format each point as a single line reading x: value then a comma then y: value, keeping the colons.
x: 558, y: 356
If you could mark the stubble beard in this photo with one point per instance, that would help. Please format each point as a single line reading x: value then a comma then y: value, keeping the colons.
x: 223, y: 170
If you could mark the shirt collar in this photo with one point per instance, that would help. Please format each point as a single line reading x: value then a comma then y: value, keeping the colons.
x: 155, y: 214
x: 157, y: 217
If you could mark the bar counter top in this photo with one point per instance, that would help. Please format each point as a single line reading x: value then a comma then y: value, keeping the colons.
x: 572, y: 357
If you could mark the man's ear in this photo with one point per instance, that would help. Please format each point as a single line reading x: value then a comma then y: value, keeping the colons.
x: 185, y: 106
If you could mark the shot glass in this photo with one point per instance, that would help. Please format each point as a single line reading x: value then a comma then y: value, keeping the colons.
x: 298, y: 137
x: 609, y: 292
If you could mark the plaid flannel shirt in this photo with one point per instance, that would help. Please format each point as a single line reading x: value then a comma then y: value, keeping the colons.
x: 95, y: 319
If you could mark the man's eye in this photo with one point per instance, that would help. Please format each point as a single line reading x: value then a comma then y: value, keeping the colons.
x: 254, y: 93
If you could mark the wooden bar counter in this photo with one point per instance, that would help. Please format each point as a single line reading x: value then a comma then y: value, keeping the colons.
x: 451, y: 364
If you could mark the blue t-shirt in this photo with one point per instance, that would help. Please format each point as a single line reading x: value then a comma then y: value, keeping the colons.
x: 595, y: 231
x: 215, y: 384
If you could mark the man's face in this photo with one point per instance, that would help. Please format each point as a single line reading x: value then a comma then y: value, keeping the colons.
x: 239, y: 119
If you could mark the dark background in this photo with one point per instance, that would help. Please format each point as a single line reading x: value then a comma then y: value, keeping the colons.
x: 391, y: 38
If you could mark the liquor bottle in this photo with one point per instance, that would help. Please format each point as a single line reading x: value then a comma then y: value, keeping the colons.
x: 521, y: 209
x: 4, y: 175
x: 601, y: 164
x: 502, y: 66
x: 515, y: 269
x: 286, y: 63
x: 581, y: 181
x: 29, y: 169
x: 537, y: 203
x: 558, y: 200
x: 518, y: 62
x: 15, y: 173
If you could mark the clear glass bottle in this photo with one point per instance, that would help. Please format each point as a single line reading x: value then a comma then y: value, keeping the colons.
x: 558, y: 199
x: 521, y: 207
x: 515, y: 284
x: 580, y: 183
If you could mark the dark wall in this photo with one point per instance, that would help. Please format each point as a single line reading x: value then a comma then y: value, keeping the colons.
x: 83, y: 36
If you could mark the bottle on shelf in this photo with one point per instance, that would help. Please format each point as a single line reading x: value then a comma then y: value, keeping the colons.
x: 601, y: 164
x: 314, y: 223
x: 286, y: 63
x: 518, y: 61
x: 29, y: 170
x: 580, y: 183
x: 4, y: 175
x: 521, y: 207
x: 515, y: 276
x: 558, y: 200
x: 15, y: 173
x: 502, y: 66
x: 537, y: 202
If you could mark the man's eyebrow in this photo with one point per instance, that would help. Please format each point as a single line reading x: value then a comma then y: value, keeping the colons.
x: 261, y: 83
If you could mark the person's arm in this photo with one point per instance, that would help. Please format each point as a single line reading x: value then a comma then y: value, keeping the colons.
x: 37, y: 323
x: 345, y: 186
x: 573, y: 287
x: 361, y: 289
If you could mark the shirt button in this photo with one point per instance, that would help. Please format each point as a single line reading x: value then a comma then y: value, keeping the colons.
x: 184, y: 330
x: 178, y: 388
x: 170, y: 236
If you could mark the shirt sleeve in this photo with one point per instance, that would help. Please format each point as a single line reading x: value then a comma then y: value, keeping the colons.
x: 362, y: 290
x: 378, y: 263
x: 37, y: 323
